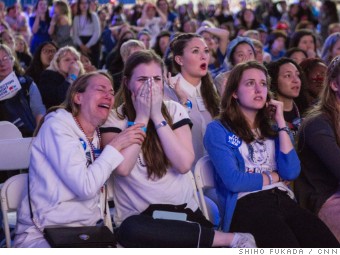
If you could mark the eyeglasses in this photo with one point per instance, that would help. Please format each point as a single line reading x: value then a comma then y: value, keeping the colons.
x: 49, y: 51
x: 5, y: 59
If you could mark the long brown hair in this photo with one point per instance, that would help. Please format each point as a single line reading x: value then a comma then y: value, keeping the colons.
x: 154, y: 156
x: 208, y: 91
x: 231, y: 115
x: 328, y: 103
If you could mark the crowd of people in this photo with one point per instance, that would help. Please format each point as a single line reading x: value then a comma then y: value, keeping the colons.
x: 141, y: 93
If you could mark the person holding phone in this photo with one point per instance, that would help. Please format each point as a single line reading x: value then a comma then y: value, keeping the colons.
x: 252, y: 162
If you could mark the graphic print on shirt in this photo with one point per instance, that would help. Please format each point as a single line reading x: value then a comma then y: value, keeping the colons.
x: 258, y: 157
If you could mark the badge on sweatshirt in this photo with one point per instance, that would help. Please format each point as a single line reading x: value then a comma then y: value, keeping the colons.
x: 234, y: 140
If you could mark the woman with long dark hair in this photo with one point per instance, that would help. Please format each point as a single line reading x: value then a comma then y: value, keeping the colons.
x: 252, y: 162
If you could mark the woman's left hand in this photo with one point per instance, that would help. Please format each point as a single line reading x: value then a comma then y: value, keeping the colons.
x: 276, y: 108
x: 156, y: 100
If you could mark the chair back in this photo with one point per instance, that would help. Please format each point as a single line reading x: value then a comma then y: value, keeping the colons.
x: 15, y: 153
x: 11, y: 195
x: 204, y: 177
x: 9, y: 131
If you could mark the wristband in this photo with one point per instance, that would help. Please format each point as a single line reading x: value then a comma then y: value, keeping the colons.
x: 131, y: 123
x: 286, y: 129
x: 269, y: 176
x: 187, y: 104
x: 162, y: 124
x: 72, y: 77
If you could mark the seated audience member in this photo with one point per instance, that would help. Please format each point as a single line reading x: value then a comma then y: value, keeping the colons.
x: 145, y: 37
x: 239, y: 50
x: 162, y: 43
x: 20, y: 104
x: 287, y: 85
x: 297, y: 54
x: 66, y: 156
x: 41, y: 60
x: 217, y: 40
x: 144, y: 182
x: 304, y: 39
x: 318, y: 186
x: 276, y: 44
x: 126, y: 50
x: 192, y: 86
x: 333, y: 28
x: 252, y: 162
x: 86, y: 61
x: 331, y: 48
x: 64, y: 69
x: 314, y: 71
x: 22, y: 51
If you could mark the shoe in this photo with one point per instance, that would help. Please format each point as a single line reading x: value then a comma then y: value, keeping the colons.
x: 243, y: 240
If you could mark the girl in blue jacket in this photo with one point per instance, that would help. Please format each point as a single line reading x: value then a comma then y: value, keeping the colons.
x: 253, y: 162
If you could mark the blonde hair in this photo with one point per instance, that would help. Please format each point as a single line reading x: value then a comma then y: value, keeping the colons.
x: 125, y: 49
x: 54, y: 65
x: 22, y: 39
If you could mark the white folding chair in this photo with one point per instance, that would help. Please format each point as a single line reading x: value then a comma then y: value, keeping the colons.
x: 11, y: 193
x: 14, y: 155
x: 204, y: 177
x: 9, y: 131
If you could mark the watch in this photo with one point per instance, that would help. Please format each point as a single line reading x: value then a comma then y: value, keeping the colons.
x: 286, y: 129
x: 162, y: 124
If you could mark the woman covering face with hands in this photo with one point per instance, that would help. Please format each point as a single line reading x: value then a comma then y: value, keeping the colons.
x: 154, y: 174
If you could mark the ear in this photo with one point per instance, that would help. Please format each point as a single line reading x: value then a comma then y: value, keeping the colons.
x: 334, y: 86
x: 178, y: 60
x: 235, y: 95
x: 77, y: 98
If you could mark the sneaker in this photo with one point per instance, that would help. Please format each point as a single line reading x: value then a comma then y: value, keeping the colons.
x: 243, y: 240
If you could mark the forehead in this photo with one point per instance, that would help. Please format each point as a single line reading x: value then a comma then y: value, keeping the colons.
x: 3, y: 52
x: 49, y: 47
x: 243, y: 47
x: 149, y: 69
x: 68, y: 54
x: 306, y: 38
x: 319, y: 67
x: 298, y: 54
x: 253, y: 73
x: 288, y: 67
x: 99, y: 81
x: 196, y: 42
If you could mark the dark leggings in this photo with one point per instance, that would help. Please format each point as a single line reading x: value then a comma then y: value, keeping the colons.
x: 142, y: 231
x: 276, y: 220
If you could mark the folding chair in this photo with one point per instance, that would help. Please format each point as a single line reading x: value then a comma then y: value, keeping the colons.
x: 204, y: 177
x: 9, y: 130
x: 14, y: 155
x: 11, y: 193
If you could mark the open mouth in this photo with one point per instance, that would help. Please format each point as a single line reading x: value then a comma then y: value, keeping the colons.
x: 203, y: 66
x: 106, y: 106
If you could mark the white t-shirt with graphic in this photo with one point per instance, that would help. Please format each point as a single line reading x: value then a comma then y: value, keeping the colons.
x: 259, y: 156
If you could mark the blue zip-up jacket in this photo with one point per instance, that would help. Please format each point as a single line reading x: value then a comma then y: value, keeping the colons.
x: 230, y: 177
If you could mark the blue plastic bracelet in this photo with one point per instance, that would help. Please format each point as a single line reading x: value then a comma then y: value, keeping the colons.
x: 131, y: 123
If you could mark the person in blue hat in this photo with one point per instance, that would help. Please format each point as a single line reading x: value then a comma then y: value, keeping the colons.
x: 239, y: 50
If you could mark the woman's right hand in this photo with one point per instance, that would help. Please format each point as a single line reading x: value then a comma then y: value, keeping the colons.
x: 142, y: 103
x: 175, y: 85
x: 131, y: 135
